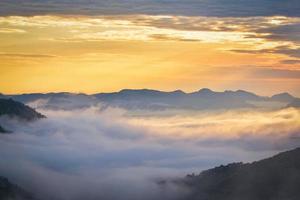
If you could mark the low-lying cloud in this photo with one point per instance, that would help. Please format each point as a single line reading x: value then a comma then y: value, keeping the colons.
x: 113, y: 154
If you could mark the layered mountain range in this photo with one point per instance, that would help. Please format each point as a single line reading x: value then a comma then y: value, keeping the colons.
x: 204, y: 99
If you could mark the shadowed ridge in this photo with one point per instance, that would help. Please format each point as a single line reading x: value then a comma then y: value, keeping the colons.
x: 205, y: 91
x: 13, y: 108
x: 283, y: 97
x: 9, y: 191
x: 295, y: 103
x: 156, y: 100
x: 3, y: 130
x: 273, y: 178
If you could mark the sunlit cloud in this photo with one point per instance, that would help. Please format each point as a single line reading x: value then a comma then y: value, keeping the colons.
x: 226, y: 125
x: 171, y: 48
x: 290, y: 62
x: 129, y: 28
x: 21, y: 55
x: 143, y: 27
x: 11, y: 30
x: 251, y: 30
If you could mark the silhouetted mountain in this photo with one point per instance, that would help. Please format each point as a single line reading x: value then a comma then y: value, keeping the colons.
x: 25, y: 98
x: 143, y: 99
x: 13, y: 108
x: 61, y: 100
x: 295, y: 103
x: 202, y: 99
x: 2, y: 130
x: 275, y: 178
x: 155, y: 100
x: 239, y: 94
x: 9, y: 191
x: 283, y: 97
x: 129, y: 94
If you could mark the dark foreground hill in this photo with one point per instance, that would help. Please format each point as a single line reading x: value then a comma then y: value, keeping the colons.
x: 14, y: 109
x: 9, y: 191
x: 275, y: 178
x: 3, y: 130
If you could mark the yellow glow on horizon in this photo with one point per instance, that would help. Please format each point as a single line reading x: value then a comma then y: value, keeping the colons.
x: 107, y: 53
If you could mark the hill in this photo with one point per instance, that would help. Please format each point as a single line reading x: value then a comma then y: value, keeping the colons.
x: 275, y: 178
x: 283, y: 97
x: 295, y: 103
x: 3, y: 130
x: 14, y: 109
x: 9, y: 191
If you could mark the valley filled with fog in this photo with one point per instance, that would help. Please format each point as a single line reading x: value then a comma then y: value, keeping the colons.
x: 111, y: 152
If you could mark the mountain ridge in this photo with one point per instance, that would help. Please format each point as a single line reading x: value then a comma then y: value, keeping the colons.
x: 203, y: 99
x: 274, y: 178
x: 15, y: 109
x: 9, y: 191
x: 143, y: 89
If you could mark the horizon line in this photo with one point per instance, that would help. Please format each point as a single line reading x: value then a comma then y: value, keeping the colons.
x: 149, y: 89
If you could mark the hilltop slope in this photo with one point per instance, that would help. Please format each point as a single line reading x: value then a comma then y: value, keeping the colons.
x: 14, y: 109
x: 9, y: 191
x: 275, y: 178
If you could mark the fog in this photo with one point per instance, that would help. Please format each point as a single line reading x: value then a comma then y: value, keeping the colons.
x: 111, y: 153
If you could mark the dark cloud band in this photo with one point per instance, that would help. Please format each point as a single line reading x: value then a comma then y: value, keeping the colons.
x: 221, y: 8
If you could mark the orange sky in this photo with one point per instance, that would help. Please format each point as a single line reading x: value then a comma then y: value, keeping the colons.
x: 103, y: 54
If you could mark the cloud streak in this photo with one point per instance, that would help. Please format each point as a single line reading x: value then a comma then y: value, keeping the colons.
x: 24, y: 55
x: 11, y: 30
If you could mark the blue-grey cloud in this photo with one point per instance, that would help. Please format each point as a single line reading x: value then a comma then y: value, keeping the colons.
x: 277, y: 73
x: 286, y: 50
x: 176, y: 7
x: 288, y: 32
x: 290, y: 62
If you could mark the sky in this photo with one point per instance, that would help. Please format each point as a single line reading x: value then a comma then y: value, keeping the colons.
x: 95, y: 46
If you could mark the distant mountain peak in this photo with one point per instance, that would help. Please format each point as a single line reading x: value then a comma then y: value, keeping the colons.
x: 137, y: 90
x: 283, y: 97
x: 243, y: 91
x: 294, y: 103
x: 178, y: 92
x: 283, y: 94
x: 205, y: 90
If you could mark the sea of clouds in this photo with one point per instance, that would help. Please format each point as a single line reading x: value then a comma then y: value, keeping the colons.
x: 95, y: 153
